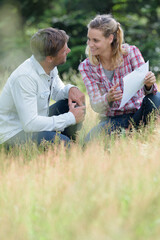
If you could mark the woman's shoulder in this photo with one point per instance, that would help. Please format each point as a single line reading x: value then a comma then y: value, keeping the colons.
x: 86, y: 64
x: 129, y: 48
x: 130, y: 51
x: 85, y: 61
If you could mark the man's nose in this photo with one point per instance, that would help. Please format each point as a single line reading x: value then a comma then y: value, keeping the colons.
x: 68, y: 50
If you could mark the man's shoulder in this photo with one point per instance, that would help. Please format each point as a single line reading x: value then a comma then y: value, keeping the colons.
x: 24, y: 69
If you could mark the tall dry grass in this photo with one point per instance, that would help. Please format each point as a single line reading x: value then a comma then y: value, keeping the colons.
x: 109, y: 190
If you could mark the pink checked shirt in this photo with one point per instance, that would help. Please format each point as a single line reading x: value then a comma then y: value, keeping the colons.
x: 98, y: 85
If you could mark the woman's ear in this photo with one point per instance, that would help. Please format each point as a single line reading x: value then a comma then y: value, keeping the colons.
x: 111, y: 37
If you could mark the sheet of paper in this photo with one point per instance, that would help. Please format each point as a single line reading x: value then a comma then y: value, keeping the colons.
x: 133, y: 82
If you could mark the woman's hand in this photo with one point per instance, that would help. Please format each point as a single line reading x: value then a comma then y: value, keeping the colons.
x: 113, y: 94
x: 149, y: 80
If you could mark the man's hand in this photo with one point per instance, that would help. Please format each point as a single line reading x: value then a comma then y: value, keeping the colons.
x: 78, y: 112
x: 75, y: 95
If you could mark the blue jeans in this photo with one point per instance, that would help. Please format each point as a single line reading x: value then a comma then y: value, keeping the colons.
x: 69, y: 133
x: 109, y: 124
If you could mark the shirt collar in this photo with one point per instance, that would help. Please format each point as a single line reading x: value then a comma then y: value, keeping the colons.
x: 39, y: 69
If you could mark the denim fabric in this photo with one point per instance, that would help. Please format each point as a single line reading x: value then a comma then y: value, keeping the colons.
x: 24, y: 101
x: 69, y: 133
x: 150, y: 103
x: 61, y: 107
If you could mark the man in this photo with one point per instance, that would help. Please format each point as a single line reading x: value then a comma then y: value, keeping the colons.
x: 24, y: 102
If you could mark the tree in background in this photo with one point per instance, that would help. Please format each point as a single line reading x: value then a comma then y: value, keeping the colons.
x: 17, y: 17
x: 20, y: 19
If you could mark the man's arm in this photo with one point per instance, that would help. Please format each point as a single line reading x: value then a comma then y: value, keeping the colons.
x: 75, y: 95
x: 61, y: 91
x: 24, y: 92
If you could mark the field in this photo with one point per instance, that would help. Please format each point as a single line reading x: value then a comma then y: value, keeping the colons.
x: 109, y: 190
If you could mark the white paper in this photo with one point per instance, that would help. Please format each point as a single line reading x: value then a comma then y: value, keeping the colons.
x: 133, y: 82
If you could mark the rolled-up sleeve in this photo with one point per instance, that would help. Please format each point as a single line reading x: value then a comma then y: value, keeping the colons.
x: 137, y: 60
x: 98, y: 101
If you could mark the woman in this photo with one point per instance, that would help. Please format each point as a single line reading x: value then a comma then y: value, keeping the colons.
x: 108, y: 62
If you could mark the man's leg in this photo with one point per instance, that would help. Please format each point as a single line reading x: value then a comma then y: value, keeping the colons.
x: 37, y: 137
x: 61, y: 107
x: 69, y: 133
x: 50, y: 136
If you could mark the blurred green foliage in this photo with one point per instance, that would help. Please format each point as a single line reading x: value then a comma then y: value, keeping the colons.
x: 19, y: 20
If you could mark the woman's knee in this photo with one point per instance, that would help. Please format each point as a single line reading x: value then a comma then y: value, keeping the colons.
x: 153, y: 100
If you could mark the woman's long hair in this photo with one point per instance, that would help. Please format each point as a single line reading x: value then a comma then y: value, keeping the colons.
x: 108, y: 25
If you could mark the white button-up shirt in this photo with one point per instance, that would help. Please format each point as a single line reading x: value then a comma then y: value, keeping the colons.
x: 24, y: 101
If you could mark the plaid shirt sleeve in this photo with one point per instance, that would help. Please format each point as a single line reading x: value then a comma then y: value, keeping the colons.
x: 136, y: 61
x: 92, y: 81
x: 98, y: 86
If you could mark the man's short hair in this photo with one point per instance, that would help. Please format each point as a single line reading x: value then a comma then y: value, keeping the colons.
x: 48, y: 42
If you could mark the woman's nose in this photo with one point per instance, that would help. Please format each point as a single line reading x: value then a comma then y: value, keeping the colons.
x: 90, y: 43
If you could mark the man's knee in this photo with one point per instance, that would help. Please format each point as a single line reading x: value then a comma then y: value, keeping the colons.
x: 50, y: 136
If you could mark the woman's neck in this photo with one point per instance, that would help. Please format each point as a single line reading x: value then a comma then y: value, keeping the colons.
x: 106, y: 61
